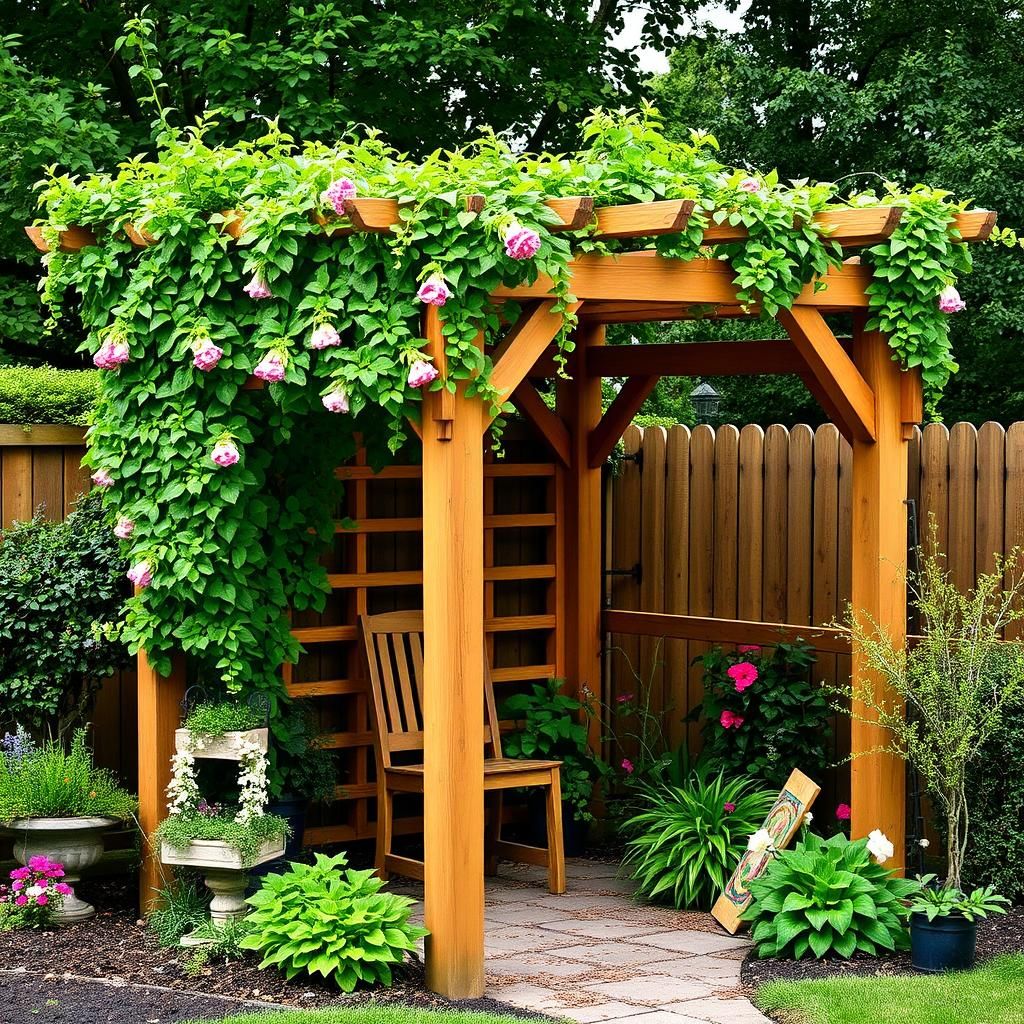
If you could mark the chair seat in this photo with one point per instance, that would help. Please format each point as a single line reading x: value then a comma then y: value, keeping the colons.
x: 492, y: 766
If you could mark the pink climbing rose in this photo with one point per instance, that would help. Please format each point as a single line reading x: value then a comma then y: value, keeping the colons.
x: 257, y: 288
x: 271, y: 367
x: 422, y: 373
x: 749, y: 185
x: 434, y: 291
x: 325, y: 336
x: 112, y: 353
x: 743, y: 674
x: 843, y: 812
x: 730, y: 720
x: 728, y: 807
x: 140, y: 574
x: 205, y: 355
x: 336, y: 400
x: 950, y: 301
x: 101, y: 478
x: 748, y: 648
x: 338, y: 193
x: 521, y: 243
x: 627, y: 766
x: 125, y: 528
x: 225, y: 453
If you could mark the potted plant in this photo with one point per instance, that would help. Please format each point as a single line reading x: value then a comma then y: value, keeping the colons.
x: 554, y: 726
x: 944, y: 925
x: 58, y: 805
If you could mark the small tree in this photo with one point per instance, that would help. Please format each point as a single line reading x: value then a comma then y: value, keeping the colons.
x: 947, y: 693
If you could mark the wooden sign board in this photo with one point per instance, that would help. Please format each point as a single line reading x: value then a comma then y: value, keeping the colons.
x: 781, y: 824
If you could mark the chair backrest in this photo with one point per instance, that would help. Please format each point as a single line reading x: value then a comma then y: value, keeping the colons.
x: 394, y: 654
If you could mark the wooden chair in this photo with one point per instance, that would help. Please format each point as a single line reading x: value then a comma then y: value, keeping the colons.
x: 394, y: 653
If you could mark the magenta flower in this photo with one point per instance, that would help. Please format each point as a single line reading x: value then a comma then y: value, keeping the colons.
x: 421, y: 373
x: 101, y: 478
x: 748, y: 648
x: 434, y: 291
x: 125, y: 528
x: 205, y: 355
x: 20, y: 873
x: 730, y: 720
x: 111, y: 355
x: 224, y: 453
x: 728, y: 807
x: 42, y: 899
x: 624, y: 698
x: 38, y: 863
x: 338, y: 193
x: 521, y: 243
x: 19, y: 884
x: 21, y: 901
x: 140, y: 574
x: 627, y: 766
x: 271, y: 367
x: 257, y: 288
x: 325, y: 336
x: 843, y: 812
x: 63, y: 888
x: 743, y: 674
x: 950, y: 301
x: 749, y: 185
x: 336, y: 400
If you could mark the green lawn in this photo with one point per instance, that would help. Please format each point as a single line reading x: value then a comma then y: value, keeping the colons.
x: 993, y: 994
x: 371, y: 1015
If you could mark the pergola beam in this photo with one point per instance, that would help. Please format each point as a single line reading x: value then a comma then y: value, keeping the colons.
x: 617, y: 417
x: 696, y: 359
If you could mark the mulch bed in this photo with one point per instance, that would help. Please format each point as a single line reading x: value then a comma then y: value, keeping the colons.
x: 114, y: 948
x: 996, y: 935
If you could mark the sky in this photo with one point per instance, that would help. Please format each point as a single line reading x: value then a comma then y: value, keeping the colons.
x: 657, y: 62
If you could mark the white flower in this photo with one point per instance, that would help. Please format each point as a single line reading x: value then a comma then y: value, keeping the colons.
x: 879, y: 846
x: 252, y: 782
x: 808, y: 818
x: 923, y: 843
x: 760, y: 841
x: 183, y: 789
x: 34, y: 890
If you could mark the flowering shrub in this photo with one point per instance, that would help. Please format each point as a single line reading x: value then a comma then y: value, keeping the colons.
x: 34, y: 893
x: 828, y: 896
x: 763, y: 716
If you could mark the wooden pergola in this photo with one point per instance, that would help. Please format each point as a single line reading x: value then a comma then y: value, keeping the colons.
x: 858, y: 384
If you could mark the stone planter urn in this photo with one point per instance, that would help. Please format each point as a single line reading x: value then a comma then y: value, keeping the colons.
x: 77, y: 843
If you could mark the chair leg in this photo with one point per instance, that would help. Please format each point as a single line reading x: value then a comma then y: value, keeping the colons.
x: 493, y: 837
x: 385, y: 819
x: 556, y: 845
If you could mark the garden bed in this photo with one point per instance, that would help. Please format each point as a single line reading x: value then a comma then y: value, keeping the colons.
x: 996, y: 935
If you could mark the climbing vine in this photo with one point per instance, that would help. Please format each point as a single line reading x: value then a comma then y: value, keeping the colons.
x: 223, y: 494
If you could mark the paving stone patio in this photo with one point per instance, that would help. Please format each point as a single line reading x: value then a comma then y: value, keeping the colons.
x: 594, y: 955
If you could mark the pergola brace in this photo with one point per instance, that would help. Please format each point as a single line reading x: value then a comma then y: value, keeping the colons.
x: 617, y: 417
x: 548, y: 425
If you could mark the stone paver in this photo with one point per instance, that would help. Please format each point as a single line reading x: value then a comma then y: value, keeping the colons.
x: 594, y: 956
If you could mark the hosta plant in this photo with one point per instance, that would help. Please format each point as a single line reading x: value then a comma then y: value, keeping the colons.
x: 828, y: 897
x: 325, y: 918
x: 687, y: 840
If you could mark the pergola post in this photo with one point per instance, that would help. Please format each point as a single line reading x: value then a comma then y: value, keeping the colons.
x: 579, y: 402
x: 877, y: 584
x: 453, y: 673
x: 159, y: 711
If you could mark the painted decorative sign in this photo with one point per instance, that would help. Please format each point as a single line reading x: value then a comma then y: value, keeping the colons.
x: 781, y: 824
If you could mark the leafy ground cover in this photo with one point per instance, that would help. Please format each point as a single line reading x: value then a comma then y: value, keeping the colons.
x: 992, y: 994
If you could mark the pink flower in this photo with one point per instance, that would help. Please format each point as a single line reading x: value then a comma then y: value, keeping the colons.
x: 627, y: 766
x: 338, y: 192
x: 434, y: 291
x: 140, y: 574
x: 743, y: 674
x: 63, y: 888
x: 421, y: 372
x: 521, y: 243
x: 111, y: 355
x: 20, y: 873
x: 748, y: 648
x: 843, y: 812
x: 205, y: 355
x: 749, y: 185
x: 257, y: 288
x: 21, y: 901
x: 730, y: 720
x: 336, y: 400
x: 224, y: 453
x: 325, y: 336
x: 38, y: 863
x: 271, y: 367
x: 624, y: 698
x: 42, y: 900
x: 950, y: 301
x: 728, y: 807
x: 125, y: 528
x: 19, y: 884
x: 101, y: 478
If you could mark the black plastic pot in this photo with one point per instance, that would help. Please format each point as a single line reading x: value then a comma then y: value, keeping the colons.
x: 293, y: 810
x: 575, y: 833
x: 945, y: 944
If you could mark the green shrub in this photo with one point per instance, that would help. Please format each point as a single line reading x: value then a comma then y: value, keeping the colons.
x: 331, y: 920
x: 828, y: 897
x: 43, y: 394
x: 179, y: 830
x: 181, y: 908
x: 215, y: 719
x: 767, y: 727
x: 51, y: 782
x: 686, y: 841
x: 61, y: 593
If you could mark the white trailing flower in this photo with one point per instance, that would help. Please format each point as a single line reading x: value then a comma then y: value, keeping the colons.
x: 808, y: 818
x: 183, y: 789
x: 923, y: 843
x: 252, y: 782
x: 879, y: 846
x: 760, y: 842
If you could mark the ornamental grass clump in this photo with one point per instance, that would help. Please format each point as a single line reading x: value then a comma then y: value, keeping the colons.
x: 687, y: 840
x: 829, y: 897
x: 326, y: 918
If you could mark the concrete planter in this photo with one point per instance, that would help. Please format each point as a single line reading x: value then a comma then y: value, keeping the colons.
x: 227, y: 747
x: 77, y: 843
